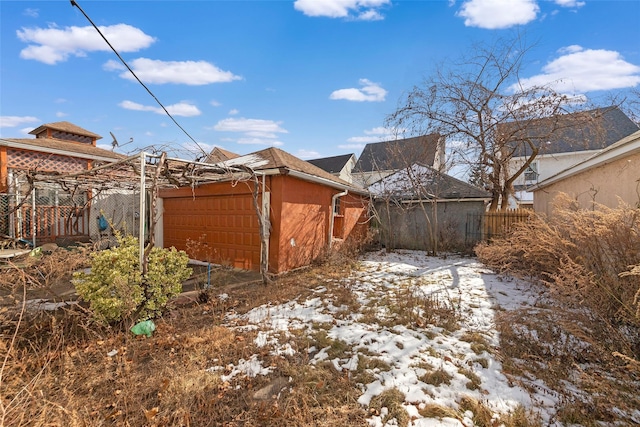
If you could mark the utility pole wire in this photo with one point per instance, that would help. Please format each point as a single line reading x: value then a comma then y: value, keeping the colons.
x: 74, y: 3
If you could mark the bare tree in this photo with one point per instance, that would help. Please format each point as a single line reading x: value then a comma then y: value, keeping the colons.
x: 408, y: 182
x: 478, y: 104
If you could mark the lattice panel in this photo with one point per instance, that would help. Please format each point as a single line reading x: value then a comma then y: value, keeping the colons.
x: 71, y: 136
x: 30, y: 160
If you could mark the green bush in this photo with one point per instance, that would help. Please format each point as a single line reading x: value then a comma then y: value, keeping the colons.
x: 116, y: 289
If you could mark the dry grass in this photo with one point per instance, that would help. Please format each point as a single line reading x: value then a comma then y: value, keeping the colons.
x: 57, y: 370
x: 436, y: 377
x: 584, y: 345
x: 586, y: 257
x: 569, y: 354
x: 61, y: 368
x: 391, y: 399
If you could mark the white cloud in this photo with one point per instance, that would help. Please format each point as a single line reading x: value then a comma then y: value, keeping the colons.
x: 52, y: 45
x: 376, y: 134
x: 569, y: 3
x: 215, y: 103
x: 307, y: 154
x: 363, y: 10
x: 193, y: 73
x: 351, y: 146
x: 495, y: 14
x: 233, y: 112
x: 584, y: 70
x: 260, y: 141
x: 370, y: 15
x: 182, y: 109
x: 570, y: 49
x: 13, y: 121
x: 33, y: 13
x: 366, y: 139
x: 113, y: 65
x: 249, y: 125
x: 61, y: 114
x: 371, y: 92
x: 255, y: 131
x: 198, y: 148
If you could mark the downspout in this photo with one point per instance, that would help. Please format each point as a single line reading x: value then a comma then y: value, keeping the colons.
x: 266, y: 220
x: 331, y: 218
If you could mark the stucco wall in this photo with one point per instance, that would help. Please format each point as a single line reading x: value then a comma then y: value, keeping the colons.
x: 603, y: 184
x: 304, y: 211
x: 407, y: 228
x: 223, y: 218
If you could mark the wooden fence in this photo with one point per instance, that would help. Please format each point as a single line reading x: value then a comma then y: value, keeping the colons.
x: 488, y: 225
x: 500, y: 223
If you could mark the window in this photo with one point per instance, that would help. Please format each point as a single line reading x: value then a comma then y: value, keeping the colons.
x: 531, y: 174
x: 336, y: 208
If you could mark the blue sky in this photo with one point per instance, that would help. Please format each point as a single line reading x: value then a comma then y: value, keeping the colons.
x: 315, y: 78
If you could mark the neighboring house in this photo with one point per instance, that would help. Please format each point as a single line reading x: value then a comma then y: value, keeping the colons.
x: 307, y: 210
x: 220, y: 155
x: 606, y: 178
x: 381, y: 159
x: 574, y: 138
x: 57, y: 147
x: 339, y: 166
x: 415, y: 205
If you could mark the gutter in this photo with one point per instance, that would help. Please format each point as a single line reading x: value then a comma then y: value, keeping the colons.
x: 332, y: 217
x: 325, y: 181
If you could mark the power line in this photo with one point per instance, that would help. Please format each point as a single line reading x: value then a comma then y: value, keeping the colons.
x: 74, y: 3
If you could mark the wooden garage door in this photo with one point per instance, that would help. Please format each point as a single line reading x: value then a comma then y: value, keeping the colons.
x: 224, y: 227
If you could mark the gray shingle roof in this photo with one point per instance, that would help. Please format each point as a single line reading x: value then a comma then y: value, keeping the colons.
x: 398, y: 154
x: 332, y: 164
x: 585, y: 130
x: 423, y: 181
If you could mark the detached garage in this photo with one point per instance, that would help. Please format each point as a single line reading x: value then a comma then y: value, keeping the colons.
x: 305, y: 209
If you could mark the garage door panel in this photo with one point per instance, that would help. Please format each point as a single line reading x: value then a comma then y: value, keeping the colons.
x: 226, y: 226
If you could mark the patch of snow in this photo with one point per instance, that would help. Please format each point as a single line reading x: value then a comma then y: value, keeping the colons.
x: 462, y: 283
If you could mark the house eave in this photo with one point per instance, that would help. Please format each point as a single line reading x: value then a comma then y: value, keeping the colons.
x: 324, y: 181
x: 31, y: 147
x: 607, y: 155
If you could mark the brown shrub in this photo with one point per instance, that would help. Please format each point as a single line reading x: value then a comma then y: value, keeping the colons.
x: 580, y: 254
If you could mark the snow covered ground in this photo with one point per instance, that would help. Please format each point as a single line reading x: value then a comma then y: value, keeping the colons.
x: 407, y: 284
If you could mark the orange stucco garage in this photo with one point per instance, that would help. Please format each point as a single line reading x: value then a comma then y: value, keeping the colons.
x: 218, y: 222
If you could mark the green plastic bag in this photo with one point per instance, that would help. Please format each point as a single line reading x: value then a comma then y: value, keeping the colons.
x: 144, y: 328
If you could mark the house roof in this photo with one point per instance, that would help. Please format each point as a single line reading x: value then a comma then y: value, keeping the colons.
x: 275, y: 158
x: 566, y: 133
x: 333, y: 164
x: 625, y: 147
x: 61, y: 147
x: 220, y: 155
x: 65, y: 127
x: 398, y: 153
x: 423, y: 181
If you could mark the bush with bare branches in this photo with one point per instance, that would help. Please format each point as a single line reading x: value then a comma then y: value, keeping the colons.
x: 589, y: 255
